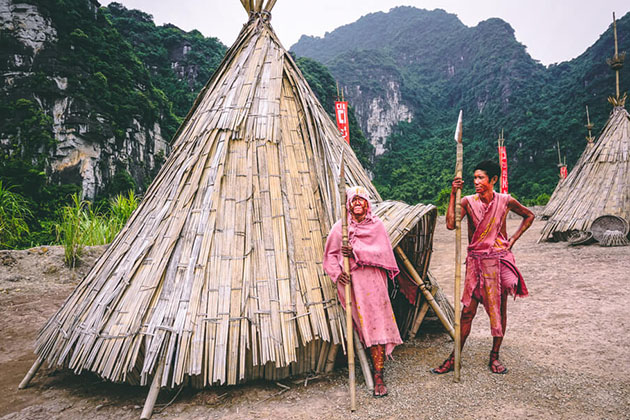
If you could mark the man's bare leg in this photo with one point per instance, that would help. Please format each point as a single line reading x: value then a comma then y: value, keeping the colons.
x: 495, y: 364
x: 468, y: 314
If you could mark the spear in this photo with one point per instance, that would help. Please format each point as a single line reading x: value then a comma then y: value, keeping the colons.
x: 458, y: 246
x: 346, y: 269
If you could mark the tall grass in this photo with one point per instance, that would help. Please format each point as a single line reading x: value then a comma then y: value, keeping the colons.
x: 13, y: 214
x: 83, y: 226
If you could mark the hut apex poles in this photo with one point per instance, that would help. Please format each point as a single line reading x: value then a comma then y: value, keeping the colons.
x: 616, y: 64
x: 589, y: 127
x: 459, y: 166
x: 256, y: 6
x: 348, y: 291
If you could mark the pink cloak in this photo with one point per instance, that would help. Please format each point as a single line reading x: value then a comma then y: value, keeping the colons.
x: 373, y: 261
x: 490, y: 266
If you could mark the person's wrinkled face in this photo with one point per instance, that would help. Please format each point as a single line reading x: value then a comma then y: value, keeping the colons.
x: 482, y: 182
x: 358, y: 206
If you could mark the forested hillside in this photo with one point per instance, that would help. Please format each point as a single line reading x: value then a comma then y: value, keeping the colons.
x: 91, y: 99
x: 92, y: 96
x: 409, y: 72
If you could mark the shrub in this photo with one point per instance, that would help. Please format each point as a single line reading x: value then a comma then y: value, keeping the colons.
x: 13, y: 214
x: 83, y: 226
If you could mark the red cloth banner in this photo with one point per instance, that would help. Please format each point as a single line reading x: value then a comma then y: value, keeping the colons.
x: 341, y: 112
x: 504, y: 171
x: 563, y: 172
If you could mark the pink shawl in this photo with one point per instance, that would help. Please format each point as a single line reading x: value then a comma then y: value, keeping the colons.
x: 486, y: 252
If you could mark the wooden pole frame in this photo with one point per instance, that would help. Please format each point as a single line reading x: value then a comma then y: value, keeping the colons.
x: 348, y: 291
x: 154, y: 391
x: 425, y: 291
x: 31, y: 372
x: 459, y: 165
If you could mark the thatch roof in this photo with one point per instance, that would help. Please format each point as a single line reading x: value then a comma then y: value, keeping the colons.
x: 598, y: 184
x: 217, y: 276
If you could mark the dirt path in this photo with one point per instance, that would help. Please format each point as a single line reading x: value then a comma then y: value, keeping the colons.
x: 566, y: 348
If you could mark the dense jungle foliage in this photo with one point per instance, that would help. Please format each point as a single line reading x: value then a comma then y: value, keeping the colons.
x: 119, y: 66
x: 443, y: 66
x: 104, y: 78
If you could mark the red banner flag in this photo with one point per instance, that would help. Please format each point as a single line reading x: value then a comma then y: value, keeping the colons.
x: 341, y: 112
x: 504, y: 172
x: 563, y: 172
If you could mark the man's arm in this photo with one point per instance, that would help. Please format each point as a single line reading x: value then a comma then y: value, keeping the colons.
x: 450, y: 212
x: 526, y: 214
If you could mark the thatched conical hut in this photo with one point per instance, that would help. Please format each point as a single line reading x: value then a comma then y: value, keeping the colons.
x: 217, y: 277
x: 598, y: 184
x: 562, y: 185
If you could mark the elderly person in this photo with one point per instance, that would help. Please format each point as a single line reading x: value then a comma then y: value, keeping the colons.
x: 372, y: 261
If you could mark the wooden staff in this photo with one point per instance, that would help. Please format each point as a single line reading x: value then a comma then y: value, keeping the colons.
x: 346, y: 269
x: 458, y: 247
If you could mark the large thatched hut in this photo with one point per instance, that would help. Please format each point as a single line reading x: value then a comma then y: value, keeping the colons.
x: 217, y: 277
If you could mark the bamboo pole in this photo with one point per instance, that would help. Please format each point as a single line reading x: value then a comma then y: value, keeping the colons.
x: 346, y: 269
x: 616, y: 56
x: 31, y: 372
x: 425, y: 291
x: 154, y: 390
x: 421, y: 314
x: 330, y: 359
x: 363, y: 361
x: 458, y: 248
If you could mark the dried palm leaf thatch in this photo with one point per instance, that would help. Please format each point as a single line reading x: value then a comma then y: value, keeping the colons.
x: 217, y: 277
x: 598, y: 184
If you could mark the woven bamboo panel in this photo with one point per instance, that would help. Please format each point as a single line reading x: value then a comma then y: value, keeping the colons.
x: 598, y: 184
x: 218, y: 273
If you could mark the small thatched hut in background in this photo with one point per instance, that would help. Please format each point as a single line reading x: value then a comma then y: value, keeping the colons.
x: 217, y: 277
x: 599, y: 184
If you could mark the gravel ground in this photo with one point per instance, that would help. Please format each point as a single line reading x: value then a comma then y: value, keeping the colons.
x: 566, y: 349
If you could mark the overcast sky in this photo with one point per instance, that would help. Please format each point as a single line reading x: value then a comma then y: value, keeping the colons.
x: 552, y: 30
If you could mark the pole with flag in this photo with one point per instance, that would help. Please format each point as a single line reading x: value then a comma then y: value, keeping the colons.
x: 459, y: 167
x: 504, y: 164
x: 562, y: 165
x: 341, y: 115
x: 348, y: 291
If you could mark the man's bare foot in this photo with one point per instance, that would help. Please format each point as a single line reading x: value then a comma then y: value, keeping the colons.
x: 380, y: 390
x: 495, y: 365
x: 447, y: 366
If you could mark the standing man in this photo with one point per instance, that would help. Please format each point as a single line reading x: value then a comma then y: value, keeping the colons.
x: 372, y: 261
x: 491, y: 273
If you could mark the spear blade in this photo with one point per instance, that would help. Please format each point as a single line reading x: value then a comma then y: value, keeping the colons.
x: 458, y: 130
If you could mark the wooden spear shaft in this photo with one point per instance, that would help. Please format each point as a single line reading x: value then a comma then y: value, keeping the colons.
x: 346, y: 269
x: 458, y: 248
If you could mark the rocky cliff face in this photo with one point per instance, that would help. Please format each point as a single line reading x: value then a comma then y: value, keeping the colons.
x: 90, y: 147
x: 378, y: 114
